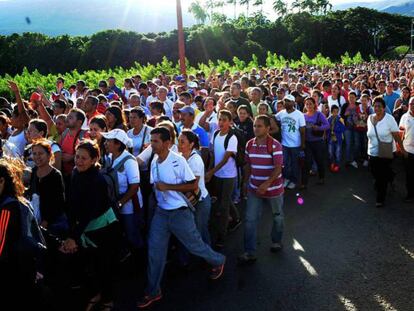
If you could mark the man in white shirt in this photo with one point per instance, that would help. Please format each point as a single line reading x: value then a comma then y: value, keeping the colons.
x: 168, y: 104
x: 407, y: 125
x: 208, y: 118
x: 172, y: 177
x: 292, y: 124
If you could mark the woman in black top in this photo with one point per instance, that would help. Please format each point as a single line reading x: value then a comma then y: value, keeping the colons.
x: 95, y: 224
x: 245, y: 122
x: 47, y: 183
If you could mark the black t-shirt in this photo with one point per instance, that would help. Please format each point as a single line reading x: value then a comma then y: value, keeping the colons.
x: 247, y: 128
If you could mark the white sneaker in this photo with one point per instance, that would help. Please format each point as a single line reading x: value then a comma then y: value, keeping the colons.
x: 354, y: 164
x: 286, y: 182
x: 291, y: 185
x: 365, y: 164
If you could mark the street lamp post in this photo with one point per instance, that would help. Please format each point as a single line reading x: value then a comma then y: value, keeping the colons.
x: 181, y: 48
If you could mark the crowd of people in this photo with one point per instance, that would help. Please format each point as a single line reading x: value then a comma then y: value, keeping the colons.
x: 112, y: 172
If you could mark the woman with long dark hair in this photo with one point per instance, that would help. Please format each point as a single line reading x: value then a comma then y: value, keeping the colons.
x: 115, y: 118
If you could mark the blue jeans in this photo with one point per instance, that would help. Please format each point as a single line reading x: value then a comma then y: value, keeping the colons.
x: 349, y: 145
x: 361, y: 145
x: 202, y: 217
x: 335, y: 152
x: 291, y: 163
x: 253, y: 213
x: 131, y: 226
x: 180, y: 223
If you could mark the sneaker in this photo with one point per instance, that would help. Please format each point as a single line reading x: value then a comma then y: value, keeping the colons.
x: 286, y: 183
x: 276, y: 247
x: 246, y: 258
x: 354, y: 164
x: 291, y: 185
x: 148, y: 300
x: 365, y: 163
x: 332, y: 167
x: 234, y: 225
x: 217, y: 272
x: 336, y: 168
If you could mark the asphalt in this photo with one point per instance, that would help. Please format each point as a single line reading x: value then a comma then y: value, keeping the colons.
x: 340, y: 253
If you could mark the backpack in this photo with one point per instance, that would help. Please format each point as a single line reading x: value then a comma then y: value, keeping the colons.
x: 111, y: 177
x: 31, y: 242
x: 241, y: 144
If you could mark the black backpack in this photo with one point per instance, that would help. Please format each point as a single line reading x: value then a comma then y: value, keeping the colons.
x: 241, y: 144
x: 31, y: 243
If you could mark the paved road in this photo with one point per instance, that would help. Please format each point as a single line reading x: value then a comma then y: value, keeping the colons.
x: 341, y: 253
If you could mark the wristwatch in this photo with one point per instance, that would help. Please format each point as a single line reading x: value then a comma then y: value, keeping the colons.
x: 119, y: 204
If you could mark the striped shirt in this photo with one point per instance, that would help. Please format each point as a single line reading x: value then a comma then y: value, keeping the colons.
x: 262, y: 160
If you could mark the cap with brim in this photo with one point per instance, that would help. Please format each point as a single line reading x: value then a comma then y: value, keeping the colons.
x: 187, y: 109
x: 192, y: 84
x: 179, y: 78
x: 289, y: 97
x: 120, y: 135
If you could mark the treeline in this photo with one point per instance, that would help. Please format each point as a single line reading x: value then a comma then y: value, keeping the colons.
x: 355, y: 30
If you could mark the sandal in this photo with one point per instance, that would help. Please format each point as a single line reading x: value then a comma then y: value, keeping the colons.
x: 93, y: 302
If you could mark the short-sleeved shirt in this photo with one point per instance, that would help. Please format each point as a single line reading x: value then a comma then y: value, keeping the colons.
x: 173, y: 170
x: 142, y: 138
x: 407, y: 123
x: 128, y: 176
x: 197, y: 166
x: 385, y: 128
x: 336, y: 102
x: 211, y: 120
x: 68, y: 144
x: 290, y: 127
x: 145, y: 156
x: 229, y: 170
x: 201, y: 133
x: 262, y: 160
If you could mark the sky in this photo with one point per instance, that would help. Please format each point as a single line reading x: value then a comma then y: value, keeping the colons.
x: 85, y: 17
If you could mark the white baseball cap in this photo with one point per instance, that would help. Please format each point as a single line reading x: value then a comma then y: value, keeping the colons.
x: 289, y: 97
x: 120, y: 135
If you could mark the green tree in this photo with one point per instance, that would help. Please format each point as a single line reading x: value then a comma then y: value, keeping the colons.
x: 199, y: 12
x: 247, y: 4
x: 280, y: 7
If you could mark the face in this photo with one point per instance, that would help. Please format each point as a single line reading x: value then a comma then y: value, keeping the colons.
x: 162, y: 94
x: 111, y: 82
x: 83, y: 160
x: 183, y: 144
x: 335, y: 91
x: 378, y: 109
x: 95, y: 131
x: 310, y: 106
x: 224, y: 123
x: 230, y: 107
x: 187, y: 118
x: 110, y: 118
x: 411, y: 107
x: 255, y: 95
x: 33, y: 133
x: 40, y: 156
x: 87, y: 106
x: 157, y: 144
x: 390, y: 88
x: 235, y: 91
x: 364, y: 101
x: 352, y: 99
x: 71, y: 120
x: 243, y: 115
x: 60, y: 125
x: 280, y: 106
x: 259, y: 128
x: 406, y: 93
x: 135, y: 121
x: 209, y: 105
x: 262, y: 109
x: 288, y: 104
x: 134, y: 101
x: 335, y: 112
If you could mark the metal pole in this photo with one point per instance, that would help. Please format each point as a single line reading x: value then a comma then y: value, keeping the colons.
x: 411, y: 37
x: 181, y: 48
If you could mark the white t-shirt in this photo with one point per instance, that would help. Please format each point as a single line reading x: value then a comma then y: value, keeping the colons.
x: 407, y: 123
x: 151, y: 99
x: 19, y: 141
x: 168, y: 107
x: 129, y: 175
x: 145, y: 155
x: 139, y: 140
x: 197, y: 166
x: 332, y: 102
x: 290, y: 127
x: 229, y: 170
x: 384, y: 128
x: 173, y: 170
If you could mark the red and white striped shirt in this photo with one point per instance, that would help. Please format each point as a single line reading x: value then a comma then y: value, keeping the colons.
x: 262, y: 160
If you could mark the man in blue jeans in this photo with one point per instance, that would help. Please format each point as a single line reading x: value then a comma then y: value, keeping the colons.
x: 292, y: 125
x: 172, y: 176
x: 264, y: 161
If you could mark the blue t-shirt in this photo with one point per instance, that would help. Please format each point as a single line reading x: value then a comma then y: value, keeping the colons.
x: 390, y: 100
x: 201, y: 133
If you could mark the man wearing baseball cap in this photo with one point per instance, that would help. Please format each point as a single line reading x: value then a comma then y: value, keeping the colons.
x: 292, y: 125
x: 187, y: 122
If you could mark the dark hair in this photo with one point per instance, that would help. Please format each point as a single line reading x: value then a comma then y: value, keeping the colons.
x: 103, y: 83
x: 4, y: 119
x: 186, y: 95
x: 210, y: 98
x: 60, y: 103
x: 264, y: 118
x: 139, y: 111
x: 192, y: 138
x: 119, y: 116
x: 129, y: 81
x: 61, y: 79
x: 102, y: 97
x: 40, y: 125
x: 91, y: 147
x: 244, y: 107
x: 352, y: 93
x: 81, y: 82
x: 380, y: 100
x: 334, y: 107
x: 44, y: 144
x: 163, y: 132
x: 198, y: 98
x: 226, y: 114
x: 80, y: 115
x: 93, y: 99
x: 100, y: 121
x: 142, y: 85
x: 158, y: 105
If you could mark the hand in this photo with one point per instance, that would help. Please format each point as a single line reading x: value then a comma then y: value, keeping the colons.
x: 44, y: 224
x: 315, y: 127
x: 262, y: 188
x: 208, y: 176
x: 161, y: 186
x: 69, y: 246
x: 244, y: 189
x: 39, y: 276
x: 13, y: 86
x: 405, y: 154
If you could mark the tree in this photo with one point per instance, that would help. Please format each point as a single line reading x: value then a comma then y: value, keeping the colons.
x: 259, y: 3
x: 247, y: 4
x: 199, y: 12
x: 280, y: 7
x: 234, y: 2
